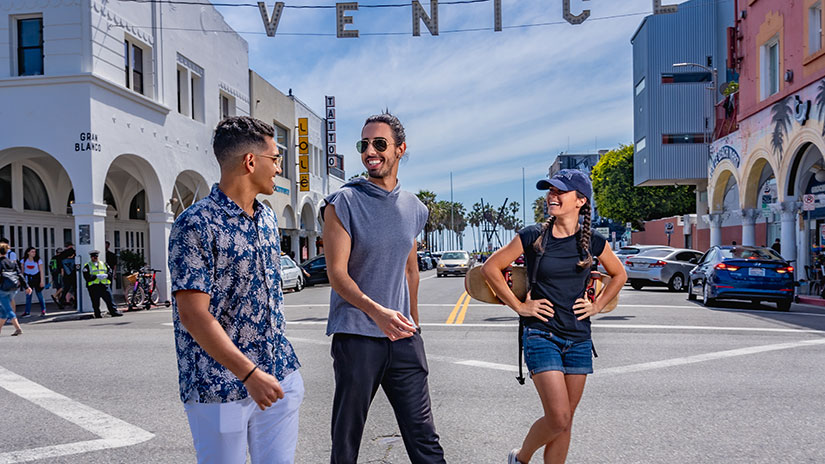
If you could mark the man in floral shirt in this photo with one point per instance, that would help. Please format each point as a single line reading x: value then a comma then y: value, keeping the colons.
x: 238, y: 373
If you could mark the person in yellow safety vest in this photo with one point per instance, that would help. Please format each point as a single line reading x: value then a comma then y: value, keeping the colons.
x: 98, y: 276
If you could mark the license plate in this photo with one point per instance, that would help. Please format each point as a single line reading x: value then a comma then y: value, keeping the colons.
x: 756, y: 271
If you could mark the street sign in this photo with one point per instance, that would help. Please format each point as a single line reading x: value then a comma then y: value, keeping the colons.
x: 605, y: 231
x: 669, y: 227
x: 808, y: 202
x: 304, y: 182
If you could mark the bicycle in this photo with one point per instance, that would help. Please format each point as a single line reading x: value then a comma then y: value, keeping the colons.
x: 144, y: 282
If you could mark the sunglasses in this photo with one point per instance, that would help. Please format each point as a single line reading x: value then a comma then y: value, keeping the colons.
x: 379, y: 143
x: 278, y: 159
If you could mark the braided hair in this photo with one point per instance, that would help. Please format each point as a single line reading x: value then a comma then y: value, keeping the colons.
x: 582, y: 235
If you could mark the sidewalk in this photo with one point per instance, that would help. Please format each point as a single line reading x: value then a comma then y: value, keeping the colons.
x: 55, y: 314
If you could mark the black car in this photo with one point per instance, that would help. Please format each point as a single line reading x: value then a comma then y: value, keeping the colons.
x: 317, y: 270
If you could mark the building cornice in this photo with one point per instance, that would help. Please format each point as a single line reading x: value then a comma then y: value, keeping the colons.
x: 27, y: 81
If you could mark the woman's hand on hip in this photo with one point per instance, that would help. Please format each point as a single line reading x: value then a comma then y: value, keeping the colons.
x: 584, y: 308
x: 540, y: 309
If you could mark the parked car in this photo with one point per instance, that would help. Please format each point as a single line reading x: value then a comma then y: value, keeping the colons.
x: 292, y: 276
x: 436, y: 256
x: 630, y: 251
x: 661, y: 267
x: 742, y: 273
x: 454, y: 262
x: 428, y: 259
x: 317, y: 270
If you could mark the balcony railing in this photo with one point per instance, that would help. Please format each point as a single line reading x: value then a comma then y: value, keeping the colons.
x: 727, y: 112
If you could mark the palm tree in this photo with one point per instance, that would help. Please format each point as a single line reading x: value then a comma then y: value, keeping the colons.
x: 428, y: 198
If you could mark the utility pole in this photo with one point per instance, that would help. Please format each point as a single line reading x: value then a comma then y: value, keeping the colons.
x: 452, y: 219
x: 523, y: 200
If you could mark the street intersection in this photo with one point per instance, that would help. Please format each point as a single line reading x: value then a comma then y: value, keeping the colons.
x: 674, y: 382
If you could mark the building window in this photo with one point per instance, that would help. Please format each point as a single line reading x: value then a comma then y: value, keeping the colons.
x: 670, y: 139
x: 134, y: 64
x: 815, y: 28
x: 282, y: 140
x: 641, y: 144
x: 640, y: 86
x: 190, y: 89
x: 685, y: 77
x: 226, y: 104
x: 30, y: 47
x: 5, y: 187
x: 770, y: 68
x: 35, y: 195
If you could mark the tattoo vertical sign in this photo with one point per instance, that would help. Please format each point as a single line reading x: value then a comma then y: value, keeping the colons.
x: 331, y: 149
x: 303, y: 154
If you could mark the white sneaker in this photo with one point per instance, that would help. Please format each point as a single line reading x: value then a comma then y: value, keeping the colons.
x: 511, y: 458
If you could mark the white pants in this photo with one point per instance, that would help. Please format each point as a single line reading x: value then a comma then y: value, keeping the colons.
x: 222, y: 431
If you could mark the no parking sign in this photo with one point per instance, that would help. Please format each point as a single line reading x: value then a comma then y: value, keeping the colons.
x: 808, y: 202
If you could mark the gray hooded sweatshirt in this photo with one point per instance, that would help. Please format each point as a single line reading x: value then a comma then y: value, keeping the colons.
x: 383, y: 226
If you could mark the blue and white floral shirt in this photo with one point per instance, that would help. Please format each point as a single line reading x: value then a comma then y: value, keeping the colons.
x: 217, y: 248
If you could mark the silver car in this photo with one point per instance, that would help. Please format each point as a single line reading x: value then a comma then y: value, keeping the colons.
x: 629, y: 251
x: 662, y: 267
x: 454, y: 262
x: 292, y: 276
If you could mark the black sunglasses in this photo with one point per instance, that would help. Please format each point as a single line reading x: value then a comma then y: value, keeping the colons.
x: 379, y: 143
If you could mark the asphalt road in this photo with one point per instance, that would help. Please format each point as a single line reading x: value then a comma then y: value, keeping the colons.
x: 674, y: 382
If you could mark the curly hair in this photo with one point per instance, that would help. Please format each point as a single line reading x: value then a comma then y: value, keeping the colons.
x: 398, y: 134
x: 238, y: 135
x: 582, y: 235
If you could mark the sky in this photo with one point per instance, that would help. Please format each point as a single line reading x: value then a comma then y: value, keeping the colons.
x: 481, y: 105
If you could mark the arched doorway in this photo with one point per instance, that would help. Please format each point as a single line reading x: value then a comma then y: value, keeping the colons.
x: 190, y: 187
x: 34, y: 187
x: 760, y: 224
x: 308, y: 233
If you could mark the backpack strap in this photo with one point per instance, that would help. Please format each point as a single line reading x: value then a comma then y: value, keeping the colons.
x: 530, y: 284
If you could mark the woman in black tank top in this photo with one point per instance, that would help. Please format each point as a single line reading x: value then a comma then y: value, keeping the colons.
x: 556, y: 313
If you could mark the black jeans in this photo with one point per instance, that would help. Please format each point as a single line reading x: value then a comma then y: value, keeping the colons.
x: 362, y: 364
x: 98, y: 291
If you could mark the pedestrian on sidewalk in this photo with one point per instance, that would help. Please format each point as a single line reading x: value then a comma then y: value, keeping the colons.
x: 57, y: 281
x: 370, y: 227
x: 34, y: 273
x: 98, y: 276
x: 556, y: 314
x: 68, y: 272
x: 238, y: 373
x: 12, y: 256
x: 11, y: 280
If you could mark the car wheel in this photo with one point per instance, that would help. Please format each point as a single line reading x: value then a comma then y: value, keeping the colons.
x: 706, y: 299
x: 438, y: 274
x: 784, y: 305
x: 677, y: 283
x: 300, y: 284
x: 636, y: 284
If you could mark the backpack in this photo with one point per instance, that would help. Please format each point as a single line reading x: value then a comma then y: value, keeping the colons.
x: 53, y: 266
x: 9, y: 280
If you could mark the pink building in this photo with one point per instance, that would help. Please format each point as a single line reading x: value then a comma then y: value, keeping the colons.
x: 768, y: 158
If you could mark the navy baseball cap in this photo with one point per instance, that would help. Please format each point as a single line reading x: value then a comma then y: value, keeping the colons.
x: 567, y: 180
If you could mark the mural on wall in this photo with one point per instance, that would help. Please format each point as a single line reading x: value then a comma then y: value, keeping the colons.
x: 820, y: 103
x: 782, y: 113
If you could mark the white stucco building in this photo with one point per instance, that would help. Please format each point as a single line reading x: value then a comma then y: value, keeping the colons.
x: 107, y: 118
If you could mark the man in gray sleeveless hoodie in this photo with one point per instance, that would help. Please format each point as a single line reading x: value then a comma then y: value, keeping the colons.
x: 370, y: 227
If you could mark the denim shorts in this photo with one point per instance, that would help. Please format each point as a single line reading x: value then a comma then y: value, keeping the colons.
x: 5, y: 304
x: 544, y: 351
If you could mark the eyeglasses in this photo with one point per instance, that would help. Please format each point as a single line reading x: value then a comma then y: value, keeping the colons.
x: 278, y: 159
x: 379, y: 143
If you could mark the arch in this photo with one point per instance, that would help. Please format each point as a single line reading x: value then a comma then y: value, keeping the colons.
x: 718, y: 186
x: 307, y: 217
x: 190, y: 186
x: 791, y: 167
x: 753, y: 177
x: 130, y: 174
x: 804, y: 158
x: 35, y: 194
x: 288, y: 218
x: 5, y: 187
x: 51, y: 173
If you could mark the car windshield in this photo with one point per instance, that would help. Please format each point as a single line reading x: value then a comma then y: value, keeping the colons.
x: 455, y: 255
x: 627, y: 251
x: 750, y: 253
x: 655, y: 253
x: 286, y: 262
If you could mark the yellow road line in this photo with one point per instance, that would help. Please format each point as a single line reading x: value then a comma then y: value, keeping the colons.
x: 460, y: 319
x: 451, y: 319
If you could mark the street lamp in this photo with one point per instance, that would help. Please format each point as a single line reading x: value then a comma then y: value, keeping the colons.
x: 712, y: 89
